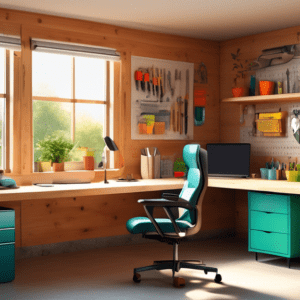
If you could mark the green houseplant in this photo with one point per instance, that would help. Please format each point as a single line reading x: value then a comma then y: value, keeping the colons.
x: 179, y: 168
x: 55, y: 148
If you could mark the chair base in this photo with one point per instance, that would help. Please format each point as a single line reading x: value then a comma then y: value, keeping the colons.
x: 175, y: 265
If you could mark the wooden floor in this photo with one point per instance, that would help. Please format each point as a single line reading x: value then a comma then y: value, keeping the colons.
x: 107, y: 274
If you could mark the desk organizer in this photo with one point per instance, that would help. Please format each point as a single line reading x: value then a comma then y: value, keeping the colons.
x: 272, y: 124
x: 7, y: 244
x: 293, y: 176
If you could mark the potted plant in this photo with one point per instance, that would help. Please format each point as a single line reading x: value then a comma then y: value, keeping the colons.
x: 179, y: 168
x: 55, y: 149
x: 240, y: 68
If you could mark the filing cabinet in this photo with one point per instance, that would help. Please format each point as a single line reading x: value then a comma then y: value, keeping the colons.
x: 7, y: 244
x: 274, y: 224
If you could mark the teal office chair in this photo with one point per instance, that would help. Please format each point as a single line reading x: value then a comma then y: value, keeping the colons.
x: 171, y: 230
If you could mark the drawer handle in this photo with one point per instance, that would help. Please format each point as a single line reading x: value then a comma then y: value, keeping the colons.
x: 267, y: 231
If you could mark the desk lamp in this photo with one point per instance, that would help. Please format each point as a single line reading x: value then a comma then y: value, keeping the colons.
x: 112, y: 147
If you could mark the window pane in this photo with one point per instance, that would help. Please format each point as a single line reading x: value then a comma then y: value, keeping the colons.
x: 89, y: 127
x: 90, y: 76
x: 2, y: 71
x: 2, y: 118
x: 50, y: 117
x: 51, y: 75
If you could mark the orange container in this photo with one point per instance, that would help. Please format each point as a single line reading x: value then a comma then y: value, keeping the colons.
x: 238, y: 92
x: 89, y: 162
x: 266, y: 87
x: 159, y: 127
x: 142, y: 128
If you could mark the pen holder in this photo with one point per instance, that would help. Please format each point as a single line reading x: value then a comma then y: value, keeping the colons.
x: 272, y: 174
x: 278, y: 174
x: 292, y: 176
x: 264, y: 173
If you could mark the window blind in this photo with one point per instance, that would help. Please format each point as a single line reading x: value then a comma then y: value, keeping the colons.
x: 11, y: 43
x: 74, y: 49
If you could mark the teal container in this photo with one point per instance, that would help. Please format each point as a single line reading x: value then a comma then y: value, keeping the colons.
x: 272, y: 174
x: 264, y: 173
x: 7, y: 244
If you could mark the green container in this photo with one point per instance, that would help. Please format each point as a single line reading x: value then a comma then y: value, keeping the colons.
x: 7, y: 244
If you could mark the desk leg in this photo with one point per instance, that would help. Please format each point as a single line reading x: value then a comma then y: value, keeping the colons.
x: 255, y: 255
x: 289, y: 263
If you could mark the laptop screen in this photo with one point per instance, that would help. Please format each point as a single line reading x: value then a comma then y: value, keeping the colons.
x: 230, y: 160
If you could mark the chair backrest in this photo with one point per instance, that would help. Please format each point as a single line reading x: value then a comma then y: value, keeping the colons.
x: 196, y: 184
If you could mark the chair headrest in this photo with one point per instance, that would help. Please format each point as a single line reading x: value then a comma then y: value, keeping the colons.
x: 191, y: 155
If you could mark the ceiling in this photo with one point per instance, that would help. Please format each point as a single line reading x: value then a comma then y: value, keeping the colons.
x: 216, y: 20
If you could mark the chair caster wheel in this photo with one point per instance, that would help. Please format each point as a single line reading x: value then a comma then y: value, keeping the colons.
x: 218, y: 278
x: 178, y: 282
x: 137, y: 277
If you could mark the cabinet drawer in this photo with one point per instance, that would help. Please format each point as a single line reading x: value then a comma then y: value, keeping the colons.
x: 271, y: 242
x: 7, y: 262
x: 269, y: 202
x: 269, y: 221
x: 7, y: 235
x: 7, y: 218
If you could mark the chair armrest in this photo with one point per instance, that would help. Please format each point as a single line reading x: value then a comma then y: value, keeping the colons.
x: 170, y: 196
x: 167, y: 203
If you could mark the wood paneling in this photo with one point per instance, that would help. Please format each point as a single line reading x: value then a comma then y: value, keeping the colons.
x: 64, y: 218
x: 128, y: 42
x: 250, y: 49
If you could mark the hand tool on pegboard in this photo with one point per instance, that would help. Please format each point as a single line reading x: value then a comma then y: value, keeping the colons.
x: 154, y: 81
x: 138, y: 76
x: 186, y: 101
x: 147, y: 80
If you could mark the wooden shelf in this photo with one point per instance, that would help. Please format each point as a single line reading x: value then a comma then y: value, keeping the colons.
x: 294, y: 97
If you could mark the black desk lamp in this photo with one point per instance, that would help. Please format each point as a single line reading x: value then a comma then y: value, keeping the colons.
x: 112, y: 147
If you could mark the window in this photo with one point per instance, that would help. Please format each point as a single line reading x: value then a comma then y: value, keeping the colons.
x: 6, y: 95
x: 72, y: 95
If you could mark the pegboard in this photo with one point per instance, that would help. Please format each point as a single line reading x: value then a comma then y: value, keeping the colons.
x: 273, y: 146
x: 276, y: 146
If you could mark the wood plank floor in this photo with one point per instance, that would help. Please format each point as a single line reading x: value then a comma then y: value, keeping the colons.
x: 107, y: 274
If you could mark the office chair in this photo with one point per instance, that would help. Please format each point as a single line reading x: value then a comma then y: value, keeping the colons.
x: 171, y: 230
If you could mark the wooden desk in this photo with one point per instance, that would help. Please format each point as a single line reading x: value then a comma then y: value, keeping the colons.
x: 257, y: 184
x: 89, y: 189
x: 67, y: 212
x: 143, y: 185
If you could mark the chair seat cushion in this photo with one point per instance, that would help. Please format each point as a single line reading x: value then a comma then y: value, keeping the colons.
x: 143, y: 225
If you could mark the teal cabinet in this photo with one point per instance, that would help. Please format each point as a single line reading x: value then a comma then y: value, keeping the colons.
x: 7, y: 244
x: 274, y: 224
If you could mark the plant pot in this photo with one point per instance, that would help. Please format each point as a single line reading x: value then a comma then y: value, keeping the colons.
x: 238, y: 92
x: 89, y: 162
x: 74, y: 165
x: 58, y: 167
x: 45, y: 166
x: 36, y: 166
x: 266, y: 87
x: 179, y: 174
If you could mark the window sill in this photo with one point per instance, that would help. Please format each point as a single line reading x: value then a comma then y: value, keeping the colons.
x: 74, y: 176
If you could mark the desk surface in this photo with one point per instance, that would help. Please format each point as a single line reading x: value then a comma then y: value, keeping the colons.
x: 114, y: 187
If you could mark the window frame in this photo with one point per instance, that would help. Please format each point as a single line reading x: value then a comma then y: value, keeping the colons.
x: 108, y: 123
x: 6, y: 121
